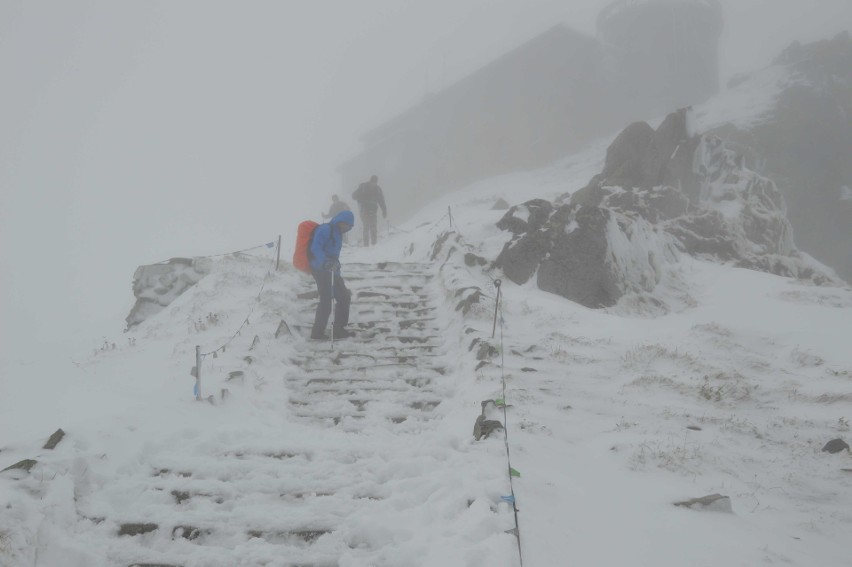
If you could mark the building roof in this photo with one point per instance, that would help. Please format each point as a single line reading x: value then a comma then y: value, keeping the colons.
x: 556, y: 44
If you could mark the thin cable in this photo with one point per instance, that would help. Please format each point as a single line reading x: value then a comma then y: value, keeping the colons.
x: 506, y: 430
x: 267, y: 245
x: 246, y: 321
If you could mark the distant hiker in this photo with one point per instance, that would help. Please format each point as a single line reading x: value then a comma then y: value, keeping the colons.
x: 325, y: 267
x: 370, y: 197
x: 337, y: 206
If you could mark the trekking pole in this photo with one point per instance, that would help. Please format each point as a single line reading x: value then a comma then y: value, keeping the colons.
x: 278, y: 254
x: 333, y: 306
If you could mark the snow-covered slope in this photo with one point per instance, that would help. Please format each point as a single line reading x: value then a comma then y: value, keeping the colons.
x: 368, y: 454
x: 611, y: 420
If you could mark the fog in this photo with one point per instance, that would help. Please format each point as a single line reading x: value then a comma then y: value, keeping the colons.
x: 133, y: 132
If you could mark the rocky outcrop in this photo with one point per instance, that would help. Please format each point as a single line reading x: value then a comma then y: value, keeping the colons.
x: 804, y: 142
x: 157, y: 285
x: 661, y: 193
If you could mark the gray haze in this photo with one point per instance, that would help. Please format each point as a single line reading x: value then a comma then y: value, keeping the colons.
x: 136, y: 131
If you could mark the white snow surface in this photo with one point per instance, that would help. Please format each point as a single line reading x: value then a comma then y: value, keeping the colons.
x: 611, y: 420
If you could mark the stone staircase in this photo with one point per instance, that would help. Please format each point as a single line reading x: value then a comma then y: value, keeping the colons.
x: 304, y: 503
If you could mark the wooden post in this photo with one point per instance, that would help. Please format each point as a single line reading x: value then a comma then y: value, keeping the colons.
x: 278, y: 254
x: 198, y: 372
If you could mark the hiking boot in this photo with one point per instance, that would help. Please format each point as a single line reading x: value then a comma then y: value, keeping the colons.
x: 343, y: 334
x: 319, y: 337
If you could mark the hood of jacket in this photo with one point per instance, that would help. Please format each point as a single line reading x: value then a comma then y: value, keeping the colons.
x: 343, y: 216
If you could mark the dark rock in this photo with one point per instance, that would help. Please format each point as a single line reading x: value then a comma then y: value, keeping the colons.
x: 471, y: 260
x: 624, y: 165
x: 54, y: 439
x: 438, y: 245
x: 711, y: 502
x: 641, y: 157
x: 465, y: 304
x: 536, y: 211
x: 485, y: 351
x: 484, y: 427
x: 25, y: 465
x: 576, y: 267
x: 520, y: 258
x: 835, y: 446
x: 135, y: 529
x: 500, y: 205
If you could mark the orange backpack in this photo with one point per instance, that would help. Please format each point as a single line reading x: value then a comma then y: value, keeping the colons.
x: 301, y: 256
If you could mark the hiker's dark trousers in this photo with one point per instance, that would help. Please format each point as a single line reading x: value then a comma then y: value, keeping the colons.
x: 341, y: 307
x: 370, y: 220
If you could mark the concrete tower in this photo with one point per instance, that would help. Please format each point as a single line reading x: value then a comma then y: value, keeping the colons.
x: 663, y: 52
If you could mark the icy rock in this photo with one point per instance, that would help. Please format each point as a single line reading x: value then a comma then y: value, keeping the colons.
x: 835, y: 446
x: 711, y: 502
x: 156, y: 286
x: 661, y: 193
x: 527, y: 217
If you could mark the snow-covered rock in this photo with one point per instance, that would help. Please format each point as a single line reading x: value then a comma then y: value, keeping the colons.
x: 157, y: 285
x: 660, y: 193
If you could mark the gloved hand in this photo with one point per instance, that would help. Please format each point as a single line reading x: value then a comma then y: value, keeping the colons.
x: 331, y: 265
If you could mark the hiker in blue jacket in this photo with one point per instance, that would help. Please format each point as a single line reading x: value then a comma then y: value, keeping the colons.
x: 325, y: 265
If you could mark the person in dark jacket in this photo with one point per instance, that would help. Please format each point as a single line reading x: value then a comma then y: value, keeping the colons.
x: 325, y: 267
x: 370, y: 197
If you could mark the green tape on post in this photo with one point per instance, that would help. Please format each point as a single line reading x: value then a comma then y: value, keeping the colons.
x: 514, y: 473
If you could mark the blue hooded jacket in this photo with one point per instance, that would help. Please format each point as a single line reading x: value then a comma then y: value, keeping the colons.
x: 328, y: 240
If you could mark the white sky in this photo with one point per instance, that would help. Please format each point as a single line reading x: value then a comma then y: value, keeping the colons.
x: 136, y: 131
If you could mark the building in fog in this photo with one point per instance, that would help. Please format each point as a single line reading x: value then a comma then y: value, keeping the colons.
x: 545, y: 99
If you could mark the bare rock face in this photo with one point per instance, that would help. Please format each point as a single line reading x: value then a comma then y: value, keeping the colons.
x: 661, y: 193
x: 156, y: 286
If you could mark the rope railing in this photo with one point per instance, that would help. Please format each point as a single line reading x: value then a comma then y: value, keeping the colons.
x: 266, y: 245
x: 200, y: 356
x: 498, y: 306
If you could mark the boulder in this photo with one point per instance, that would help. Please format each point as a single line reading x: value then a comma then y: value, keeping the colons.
x: 157, y: 285
x: 711, y: 502
x: 836, y: 446
x: 661, y: 193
